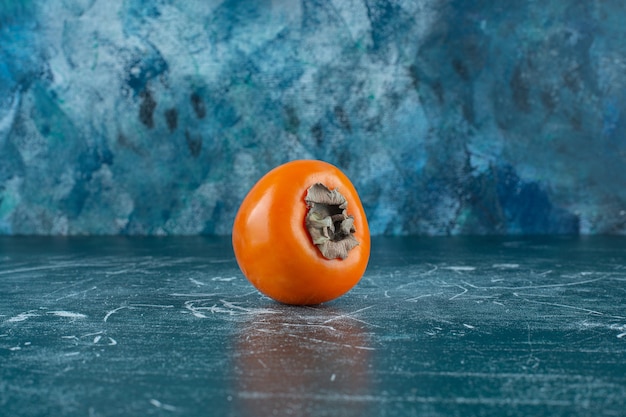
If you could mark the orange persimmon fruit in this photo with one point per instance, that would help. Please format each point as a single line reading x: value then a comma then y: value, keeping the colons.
x: 300, y: 235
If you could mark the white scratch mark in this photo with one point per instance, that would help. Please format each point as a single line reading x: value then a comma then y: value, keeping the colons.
x: 532, y: 360
x: 159, y: 404
x: 75, y: 284
x: 230, y: 304
x: 34, y: 268
x: 189, y: 305
x: 469, y: 326
x: 198, y: 314
x: 92, y: 334
x: 178, y: 294
x: 13, y: 349
x: 414, y: 299
x: 360, y: 347
x: 198, y: 283
x: 430, y: 271
x: 110, y: 313
x: 229, y: 307
x: 151, y: 305
x: 316, y: 340
x: 526, y: 287
x: 133, y: 306
x: 21, y: 317
x: 76, y: 293
x: 112, y: 342
x: 586, y: 310
x: 459, y: 269
x: 505, y: 266
x: 332, y: 377
x: 67, y: 314
x: 72, y: 354
x: 459, y: 294
x: 228, y: 279
x: 121, y: 271
x: 96, y: 339
x: 410, y: 399
x: 262, y: 363
x: 309, y: 325
x: 350, y: 316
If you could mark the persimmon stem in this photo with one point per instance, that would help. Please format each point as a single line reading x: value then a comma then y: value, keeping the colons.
x: 329, y: 225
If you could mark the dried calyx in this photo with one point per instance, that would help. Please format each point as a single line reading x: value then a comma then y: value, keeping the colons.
x: 329, y: 226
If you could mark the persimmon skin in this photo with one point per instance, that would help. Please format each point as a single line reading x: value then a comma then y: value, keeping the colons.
x: 273, y: 247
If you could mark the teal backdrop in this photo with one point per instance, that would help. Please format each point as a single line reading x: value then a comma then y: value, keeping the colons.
x: 450, y: 117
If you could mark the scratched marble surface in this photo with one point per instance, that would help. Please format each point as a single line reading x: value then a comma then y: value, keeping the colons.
x: 437, y: 327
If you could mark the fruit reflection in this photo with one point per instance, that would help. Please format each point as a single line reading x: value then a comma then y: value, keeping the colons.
x: 303, y: 361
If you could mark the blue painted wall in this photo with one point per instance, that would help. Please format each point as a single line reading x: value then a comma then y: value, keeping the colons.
x: 451, y: 117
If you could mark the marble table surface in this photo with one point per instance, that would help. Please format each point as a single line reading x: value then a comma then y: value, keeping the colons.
x: 437, y: 327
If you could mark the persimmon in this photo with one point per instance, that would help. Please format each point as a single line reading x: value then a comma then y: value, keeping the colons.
x: 300, y: 235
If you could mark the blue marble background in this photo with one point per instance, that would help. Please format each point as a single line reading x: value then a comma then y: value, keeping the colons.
x: 451, y: 117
